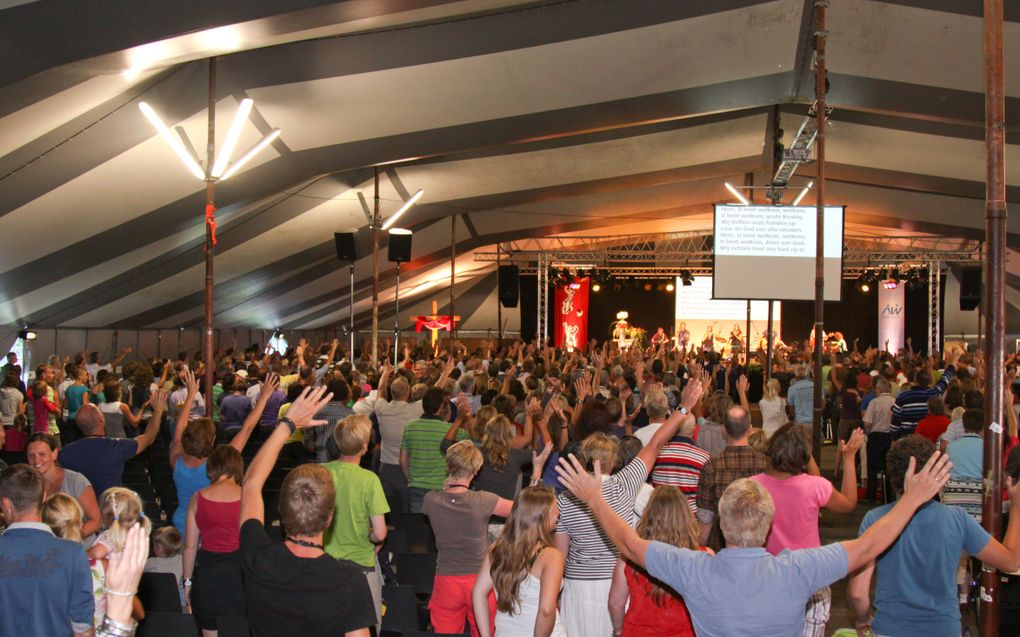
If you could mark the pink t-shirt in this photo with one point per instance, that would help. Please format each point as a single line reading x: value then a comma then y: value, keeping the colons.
x: 797, y: 502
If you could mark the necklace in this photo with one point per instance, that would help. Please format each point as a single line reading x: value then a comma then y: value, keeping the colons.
x: 455, y: 485
x: 310, y: 545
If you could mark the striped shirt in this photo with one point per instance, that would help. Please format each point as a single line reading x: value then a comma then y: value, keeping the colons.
x: 912, y: 405
x: 679, y: 465
x: 592, y: 555
x: 421, y: 439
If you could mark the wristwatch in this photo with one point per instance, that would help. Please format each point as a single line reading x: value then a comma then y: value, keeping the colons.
x: 187, y: 582
x: 683, y: 410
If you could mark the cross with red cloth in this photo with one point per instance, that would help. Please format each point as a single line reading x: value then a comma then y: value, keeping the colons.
x: 435, y: 323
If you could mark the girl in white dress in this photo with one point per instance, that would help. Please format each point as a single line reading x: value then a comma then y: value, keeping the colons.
x: 525, y: 569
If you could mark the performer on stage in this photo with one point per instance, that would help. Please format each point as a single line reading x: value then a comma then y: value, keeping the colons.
x: 736, y: 339
x: 708, y: 343
x: 777, y: 343
x: 621, y: 331
x: 659, y: 338
x: 683, y: 337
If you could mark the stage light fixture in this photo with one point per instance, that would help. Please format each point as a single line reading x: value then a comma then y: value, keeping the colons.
x: 736, y: 193
x: 865, y: 287
x: 796, y: 202
x: 407, y: 204
x: 172, y: 140
x: 27, y: 335
x: 232, y: 136
x: 596, y: 287
x: 670, y: 287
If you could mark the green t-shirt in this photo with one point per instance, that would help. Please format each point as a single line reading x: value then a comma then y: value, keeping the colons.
x: 422, y: 437
x: 359, y: 496
x: 217, y: 391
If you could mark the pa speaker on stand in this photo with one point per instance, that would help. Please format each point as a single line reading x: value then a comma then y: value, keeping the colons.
x: 347, y: 250
x: 399, y: 252
x: 970, y: 289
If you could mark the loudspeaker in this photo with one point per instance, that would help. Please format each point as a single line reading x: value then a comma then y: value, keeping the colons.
x: 509, y: 285
x: 346, y: 247
x: 400, y: 245
x: 970, y: 289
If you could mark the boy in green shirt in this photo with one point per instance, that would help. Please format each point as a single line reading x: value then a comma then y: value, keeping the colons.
x: 421, y: 458
x: 359, y: 525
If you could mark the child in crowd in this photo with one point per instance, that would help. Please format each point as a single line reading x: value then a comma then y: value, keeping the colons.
x: 119, y: 509
x: 63, y: 515
x: 16, y: 439
x: 167, y: 544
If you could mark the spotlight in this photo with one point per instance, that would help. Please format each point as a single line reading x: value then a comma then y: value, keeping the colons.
x: 596, y: 287
x: 865, y: 287
x: 670, y: 287
x: 27, y: 335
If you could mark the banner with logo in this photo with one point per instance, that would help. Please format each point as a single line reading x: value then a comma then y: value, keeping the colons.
x: 891, y: 318
x: 571, y: 316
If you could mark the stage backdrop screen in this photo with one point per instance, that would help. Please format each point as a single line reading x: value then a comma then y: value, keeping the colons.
x: 768, y: 252
x: 696, y: 308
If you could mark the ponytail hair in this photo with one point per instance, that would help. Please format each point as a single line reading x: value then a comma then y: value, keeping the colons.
x: 119, y: 509
x: 63, y: 515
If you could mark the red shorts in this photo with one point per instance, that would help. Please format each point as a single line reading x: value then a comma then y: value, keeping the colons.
x: 451, y: 605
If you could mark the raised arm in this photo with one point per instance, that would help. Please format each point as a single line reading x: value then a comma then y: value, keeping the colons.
x: 845, y: 500
x: 120, y: 357
x: 158, y: 409
x: 299, y: 416
x: 532, y: 411
x: 183, y: 410
x: 447, y: 370
x: 269, y: 385
x: 384, y: 380
x: 742, y: 385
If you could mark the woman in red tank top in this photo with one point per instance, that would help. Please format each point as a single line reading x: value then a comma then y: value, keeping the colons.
x: 212, y: 561
x: 655, y: 610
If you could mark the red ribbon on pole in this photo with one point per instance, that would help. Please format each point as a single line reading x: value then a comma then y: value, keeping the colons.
x: 210, y: 218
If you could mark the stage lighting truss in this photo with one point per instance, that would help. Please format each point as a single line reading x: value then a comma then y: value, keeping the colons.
x: 671, y: 255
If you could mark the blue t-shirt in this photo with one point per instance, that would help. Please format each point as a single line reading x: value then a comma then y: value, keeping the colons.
x: 801, y: 396
x: 74, y: 397
x: 100, y: 459
x: 45, y: 583
x: 188, y: 480
x: 772, y: 590
x: 967, y: 454
x: 234, y: 408
x: 916, y: 589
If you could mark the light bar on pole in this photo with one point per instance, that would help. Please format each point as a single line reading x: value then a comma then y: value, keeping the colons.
x: 803, y: 192
x: 245, y: 158
x: 172, y: 140
x: 737, y: 194
x: 223, y: 156
x: 410, y: 202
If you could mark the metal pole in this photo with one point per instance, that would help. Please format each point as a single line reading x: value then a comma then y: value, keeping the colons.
x: 820, y: 37
x: 396, y: 318
x: 210, y: 202
x: 994, y: 301
x: 350, y: 306
x: 768, y: 347
x: 747, y: 336
x: 376, y: 221
x: 453, y: 272
x: 499, y: 304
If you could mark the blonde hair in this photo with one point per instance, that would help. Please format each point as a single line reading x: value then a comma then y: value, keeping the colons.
x: 772, y: 389
x: 759, y: 440
x: 463, y: 459
x: 602, y: 447
x: 482, y: 418
x: 745, y: 514
x: 63, y: 514
x: 352, y: 433
x: 667, y: 518
x: 167, y: 541
x: 496, y: 440
x: 307, y: 498
x: 119, y: 509
x: 524, y: 536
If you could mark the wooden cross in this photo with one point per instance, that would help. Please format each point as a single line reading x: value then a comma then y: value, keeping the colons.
x: 431, y: 323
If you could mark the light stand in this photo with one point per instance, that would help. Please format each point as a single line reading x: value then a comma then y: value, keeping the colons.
x: 350, y: 306
x: 396, y: 319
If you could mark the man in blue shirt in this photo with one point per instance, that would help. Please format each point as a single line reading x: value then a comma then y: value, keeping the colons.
x: 45, y: 582
x: 912, y: 404
x: 772, y: 590
x: 800, y: 397
x: 967, y: 452
x: 916, y: 589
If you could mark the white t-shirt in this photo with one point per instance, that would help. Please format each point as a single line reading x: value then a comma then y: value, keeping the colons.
x: 393, y: 418
x: 773, y: 414
x: 645, y: 433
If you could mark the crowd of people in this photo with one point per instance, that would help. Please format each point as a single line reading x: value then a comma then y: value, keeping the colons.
x: 610, y: 492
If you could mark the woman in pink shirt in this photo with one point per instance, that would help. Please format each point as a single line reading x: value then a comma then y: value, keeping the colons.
x: 798, y: 496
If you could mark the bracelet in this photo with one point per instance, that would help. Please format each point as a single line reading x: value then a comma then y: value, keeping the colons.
x: 536, y: 481
x: 290, y: 424
x: 120, y: 593
x: 113, y: 628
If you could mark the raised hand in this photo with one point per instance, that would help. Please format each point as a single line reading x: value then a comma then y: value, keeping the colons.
x: 742, y: 384
x: 538, y: 459
x: 926, y: 483
x: 851, y: 447
x: 191, y: 382
x: 586, y: 486
x: 311, y: 401
x: 692, y: 393
x: 533, y: 409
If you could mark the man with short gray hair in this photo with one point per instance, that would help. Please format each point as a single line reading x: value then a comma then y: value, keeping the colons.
x: 657, y: 407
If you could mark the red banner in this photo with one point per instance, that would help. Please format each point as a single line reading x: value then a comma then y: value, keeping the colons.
x: 571, y: 316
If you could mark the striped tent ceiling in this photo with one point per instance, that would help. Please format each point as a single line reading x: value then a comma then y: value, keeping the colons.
x: 518, y: 118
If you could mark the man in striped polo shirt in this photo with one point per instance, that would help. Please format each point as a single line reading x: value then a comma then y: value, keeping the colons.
x: 912, y: 404
x: 679, y: 464
x: 421, y: 459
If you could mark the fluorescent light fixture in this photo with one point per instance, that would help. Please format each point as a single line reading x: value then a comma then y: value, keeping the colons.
x: 802, y: 193
x: 736, y: 193
x: 410, y: 202
x: 245, y: 158
x: 172, y: 140
x: 402, y: 231
x: 223, y: 156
